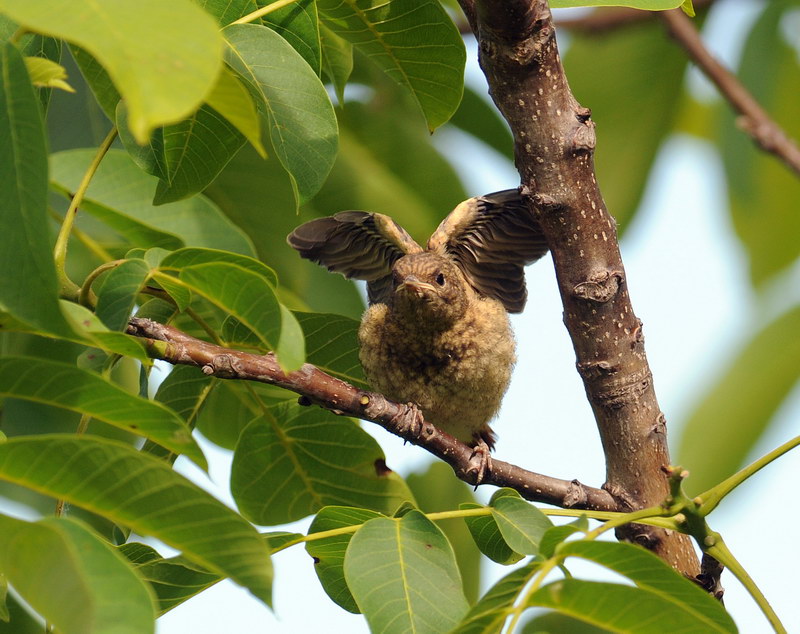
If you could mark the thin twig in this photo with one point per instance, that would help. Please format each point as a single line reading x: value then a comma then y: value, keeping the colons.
x: 754, y: 120
x: 317, y: 387
x: 603, y: 20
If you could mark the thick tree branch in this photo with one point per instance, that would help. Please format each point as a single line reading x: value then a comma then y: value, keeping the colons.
x: 754, y: 120
x: 315, y: 386
x: 554, y: 147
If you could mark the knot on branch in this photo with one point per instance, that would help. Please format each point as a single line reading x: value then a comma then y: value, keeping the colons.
x: 594, y: 369
x: 660, y: 426
x: 221, y: 365
x: 600, y: 287
x: 584, y: 138
x: 623, y: 391
x: 546, y: 203
x: 576, y: 496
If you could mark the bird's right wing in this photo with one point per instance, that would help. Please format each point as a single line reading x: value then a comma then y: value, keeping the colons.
x: 357, y: 244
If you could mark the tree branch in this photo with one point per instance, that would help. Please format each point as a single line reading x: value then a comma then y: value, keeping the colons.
x: 554, y: 147
x: 603, y: 20
x: 172, y: 345
x: 754, y: 120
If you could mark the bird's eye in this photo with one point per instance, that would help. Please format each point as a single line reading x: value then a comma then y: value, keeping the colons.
x: 440, y: 279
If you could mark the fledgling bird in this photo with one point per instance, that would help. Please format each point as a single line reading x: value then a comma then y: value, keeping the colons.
x: 436, y: 333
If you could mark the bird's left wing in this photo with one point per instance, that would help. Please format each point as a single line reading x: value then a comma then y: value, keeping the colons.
x: 357, y: 244
x: 492, y: 238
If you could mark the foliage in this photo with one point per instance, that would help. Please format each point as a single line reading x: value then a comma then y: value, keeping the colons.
x: 229, y: 135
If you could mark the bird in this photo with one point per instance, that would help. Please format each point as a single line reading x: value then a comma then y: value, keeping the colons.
x: 436, y: 334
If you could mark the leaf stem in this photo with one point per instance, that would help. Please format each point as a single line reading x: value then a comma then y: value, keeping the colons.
x: 712, y: 497
x: 87, y: 297
x: 719, y: 550
x: 70, y: 290
x: 545, y: 570
x: 258, y: 13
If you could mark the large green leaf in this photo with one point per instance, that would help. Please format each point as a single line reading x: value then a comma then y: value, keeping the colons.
x: 332, y: 345
x: 302, y: 124
x: 231, y: 99
x: 98, y: 80
x: 163, y: 57
x: 120, y: 195
x: 298, y: 24
x: 521, y: 524
x: 404, y: 577
x: 67, y: 386
x: 28, y: 288
x: 226, y: 11
x: 763, y: 191
x: 73, y: 578
x: 118, y: 294
x: 634, y: 101
x: 190, y: 256
x: 293, y: 460
x: 734, y: 413
x: 144, y: 493
x: 403, y: 37
x: 329, y: 552
x: 337, y: 59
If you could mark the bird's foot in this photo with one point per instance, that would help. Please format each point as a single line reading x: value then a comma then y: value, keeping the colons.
x: 409, y: 421
x: 480, y: 461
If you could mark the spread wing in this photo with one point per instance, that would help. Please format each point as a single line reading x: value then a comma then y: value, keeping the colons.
x: 357, y: 244
x: 492, y: 238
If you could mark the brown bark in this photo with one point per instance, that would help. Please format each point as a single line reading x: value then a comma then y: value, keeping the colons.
x: 554, y: 147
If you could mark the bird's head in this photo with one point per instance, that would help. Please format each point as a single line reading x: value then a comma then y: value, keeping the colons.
x: 429, y: 287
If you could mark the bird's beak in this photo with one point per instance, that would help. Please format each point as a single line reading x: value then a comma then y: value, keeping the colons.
x: 416, y: 286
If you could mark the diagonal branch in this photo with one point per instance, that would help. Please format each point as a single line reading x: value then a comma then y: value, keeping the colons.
x: 172, y: 345
x: 554, y: 147
x: 754, y: 119
x: 603, y: 20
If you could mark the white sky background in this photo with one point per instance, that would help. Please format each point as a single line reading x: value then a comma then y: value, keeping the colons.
x: 688, y: 282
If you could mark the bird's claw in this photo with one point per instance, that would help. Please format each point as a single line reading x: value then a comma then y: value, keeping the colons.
x: 480, y: 462
x: 409, y: 421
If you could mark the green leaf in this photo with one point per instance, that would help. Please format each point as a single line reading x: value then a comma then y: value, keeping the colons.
x: 144, y: 493
x: 438, y: 489
x: 403, y: 575
x: 332, y: 345
x: 489, y: 614
x: 120, y: 195
x: 298, y: 24
x: 45, y: 73
x: 488, y: 538
x: 20, y: 619
x: 761, y: 189
x: 64, y: 385
x: 329, y: 552
x: 634, y: 112
x: 736, y: 411
x: 293, y: 460
x: 521, y: 524
x: 99, y: 82
x: 231, y: 99
x: 598, y: 604
x: 302, y: 124
x: 117, y: 296
x: 645, y: 5
x: 73, y: 578
x: 650, y: 572
x: 337, y: 59
x: 561, y: 623
x: 402, y: 37
x: 174, y: 580
x: 192, y: 256
x: 231, y: 406
x: 31, y: 292
x: 556, y: 535
x: 163, y: 57
x: 226, y: 11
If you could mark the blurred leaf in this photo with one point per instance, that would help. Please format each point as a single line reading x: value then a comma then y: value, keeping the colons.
x: 163, y: 57
x: 734, y: 413
x: 117, y: 296
x: 403, y: 575
x: 87, y: 393
x: 298, y: 24
x: 555, y: 622
x: 332, y: 345
x: 645, y: 5
x: 73, y: 578
x: 120, y: 195
x: 763, y: 191
x: 144, y: 493
x: 31, y: 292
x: 33, y: 45
x: 489, y: 614
x: 599, y: 604
x: 438, y: 489
x: 173, y: 580
x: 292, y: 460
x: 634, y: 102
x: 44, y: 73
x: 337, y: 59
x: 231, y: 99
x: 98, y: 80
x: 478, y: 117
x: 329, y: 553
x: 302, y: 124
x: 402, y: 37
x: 521, y: 524
x: 650, y: 572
